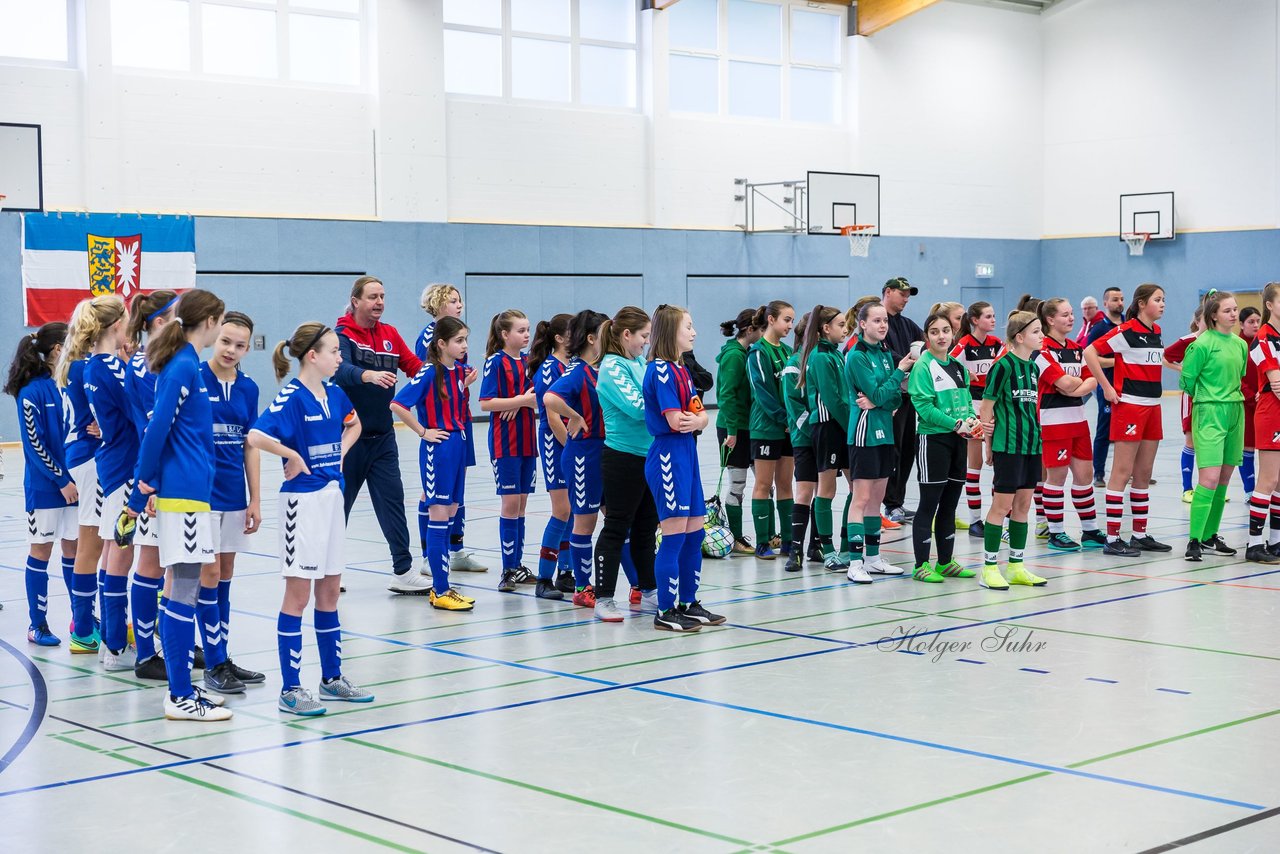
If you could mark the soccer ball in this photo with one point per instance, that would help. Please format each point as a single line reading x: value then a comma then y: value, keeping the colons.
x: 717, y: 541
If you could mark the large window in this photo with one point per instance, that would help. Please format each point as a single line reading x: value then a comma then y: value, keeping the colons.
x: 769, y: 59
x: 305, y: 41
x: 35, y: 30
x: 565, y: 51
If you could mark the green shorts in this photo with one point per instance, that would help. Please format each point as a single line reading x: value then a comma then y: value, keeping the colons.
x: 1218, y: 432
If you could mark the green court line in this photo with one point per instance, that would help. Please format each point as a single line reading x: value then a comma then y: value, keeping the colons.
x: 520, y: 784
x: 97, y: 694
x: 681, y: 655
x: 355, y: 709
x: 1023, y: 779
x: 401, y: 679
x: 85, y: 670
x: 1148, y: 642
x: 505, y: 619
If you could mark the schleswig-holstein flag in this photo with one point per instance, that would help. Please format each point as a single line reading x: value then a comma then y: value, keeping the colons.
x: 67, y: 257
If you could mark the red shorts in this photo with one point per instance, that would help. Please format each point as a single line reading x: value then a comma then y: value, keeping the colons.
x: 1266, y: 424
x: 1186, y: 413
x: 1059, y: 452
x: 1132, y: 422
x: 1250, y: 407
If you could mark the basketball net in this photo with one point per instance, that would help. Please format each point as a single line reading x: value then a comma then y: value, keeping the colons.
x: 859, y: 239
x: 1137, y: 241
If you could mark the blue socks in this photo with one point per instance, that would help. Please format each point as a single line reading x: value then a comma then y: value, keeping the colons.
x: 179, y: 646
x: 508, y: 532
x: 550, y: 554
x: 438, y: 553
x: 143, y: 599
x: 329, y: 642
x: 37, y: 591
x: 84, y: 587
x: 102, y: 601
x: 666, y: 570
x: 580, y: 549
x: 423, y: 518
x: 1188, y: 461
x: 691, y: 566
x: 224, y: 608
x: 289, y: 640
x: 519, y: 541
x: 68, y: 570
x: 114, y: 633
x: 1246, y: 472
x: 457, y: 528
x: 628, y: 565
x: 209, y: 616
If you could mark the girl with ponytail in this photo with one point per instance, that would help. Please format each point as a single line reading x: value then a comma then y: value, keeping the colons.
x: 770, y: 444
x: 1264, y: 362
x: 733, y: 417
x: 548, y: 360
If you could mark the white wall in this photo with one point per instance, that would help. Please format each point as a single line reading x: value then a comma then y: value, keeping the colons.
x: 1153, y: 95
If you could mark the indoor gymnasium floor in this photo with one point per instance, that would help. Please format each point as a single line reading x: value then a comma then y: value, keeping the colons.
x: 1127, y: 705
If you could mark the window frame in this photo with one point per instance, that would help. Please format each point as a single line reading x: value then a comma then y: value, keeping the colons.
x: 575, y: 41
x: 724, y: 57
x: 283, y: 10
x: 72, y: 60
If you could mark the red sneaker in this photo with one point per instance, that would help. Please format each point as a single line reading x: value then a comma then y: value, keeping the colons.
x: 585, y: 598
x: 634, y: 599
x: 888, y: 524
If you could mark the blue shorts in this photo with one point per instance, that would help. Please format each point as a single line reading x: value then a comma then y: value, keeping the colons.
x: 551, y: 451
x: 444, y: 467
x: 471, y: 444
x: 671, y: 468
x: 581, y: 461
x: 514, y: 475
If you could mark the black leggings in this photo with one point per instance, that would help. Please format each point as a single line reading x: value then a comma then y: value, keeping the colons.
x: 937, y: 504
x: 628, y: 511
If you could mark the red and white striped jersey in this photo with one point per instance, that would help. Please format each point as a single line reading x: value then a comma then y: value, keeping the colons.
x: 1138, y: 353
x: 1058, y: 411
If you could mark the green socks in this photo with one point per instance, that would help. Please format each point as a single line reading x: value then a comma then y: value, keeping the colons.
x: 854, y: 532
x: 1212, y: 524
x: 991, y: 532
x: 785, y: 506
x: 822, y: 524
x: 762, y: 517
x: 844, y: 523
x: 871, y: 535
x: 734, y: 512
x: 1017, y: 540
x: 1201, y: 509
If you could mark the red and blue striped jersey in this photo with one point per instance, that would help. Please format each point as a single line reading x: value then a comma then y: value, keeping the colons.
x: 667, y: 386
x: 548, y: 372
x: 578, y: 389
x: 505, y: 376
x: 447, y: 411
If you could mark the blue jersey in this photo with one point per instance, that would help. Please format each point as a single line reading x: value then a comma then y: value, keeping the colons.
x: 80, y: 445
x: 44, y: 430
x: 425, y: 338
x: 312, y: 426
x: 505, y: 376
x: 445, y: 410
x: 104, y: 385
x: 548, y: 372
x: 140, y: 386
x: 578, y: 389
x: 420, y: 348
x: 176, y: 456
x: 668, y: 387
x: 235, y: 408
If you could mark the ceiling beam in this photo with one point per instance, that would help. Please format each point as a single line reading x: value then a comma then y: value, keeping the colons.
x: 875, y: 15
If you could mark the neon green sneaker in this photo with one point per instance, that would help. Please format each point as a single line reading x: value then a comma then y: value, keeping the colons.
x: 1019, y: 574
x: 954, y: 570
x: 991, y: 578
x: 925, y: 572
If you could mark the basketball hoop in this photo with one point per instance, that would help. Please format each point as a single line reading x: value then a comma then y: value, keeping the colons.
x: 859, y: 239
x: 1136, y: 241
x: 2, y: 198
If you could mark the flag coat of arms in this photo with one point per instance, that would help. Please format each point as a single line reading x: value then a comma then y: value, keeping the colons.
x: 70, y: 257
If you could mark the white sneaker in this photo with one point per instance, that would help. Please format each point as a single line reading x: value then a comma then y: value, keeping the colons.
x: 125, y: 660
x: 425, y: 569
x: 880, y: 566
x: 649, y: 601
x: 462, y: 561
x: 857, y: 574
x: 607, y: 611
x: 410, y: 584
x: 211, y: 697
x: 193, y: 708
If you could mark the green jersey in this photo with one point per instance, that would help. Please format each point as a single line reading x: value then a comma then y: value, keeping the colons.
x: 870, y: 370
x: 797, y: 406
x: 765, y: 362
x: 1213, y: 367
x: 939, y: 390
x: 1013, y: 384
x: 733, y: 391
x: 824, y: 385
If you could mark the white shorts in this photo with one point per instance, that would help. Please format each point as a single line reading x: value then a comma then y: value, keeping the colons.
x: 111, y: 507
x: 228, y: 532
x: 313, y: 533
x: 147, y: 532
x: 86, y: 477
x: 185, y: 537
x: 52, y: 524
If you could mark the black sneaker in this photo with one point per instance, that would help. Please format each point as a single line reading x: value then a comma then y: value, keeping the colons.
x: 701, y: 614
x: 795, y: 563
x: 814, y: 554
x: 908, y: 514
x: 1119, y: 548
x: 198, y: 662
x: 507, y: 584
x: 1194, y: 551
x: 672, y: 620
x: 152, y: 668
x: 1219, y: 545
x: 248, y: 677
x: 1094, y: 539
x: 524, y: 575
x: 1274, y: 548
x: 222, y: 681
x: 546, y: 589
x: 1260, y: 554
x: 564, y: 582
x: 977, y: 530
x: 1148, y: 543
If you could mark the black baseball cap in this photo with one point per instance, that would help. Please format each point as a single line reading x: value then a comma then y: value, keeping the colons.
x: 900, y: 284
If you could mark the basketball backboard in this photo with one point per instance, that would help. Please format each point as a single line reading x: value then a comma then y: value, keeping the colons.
x: 838, y: 199
x: 1147, y: 213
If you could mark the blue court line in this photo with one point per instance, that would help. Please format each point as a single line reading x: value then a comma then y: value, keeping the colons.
x: 38, y: 706
x: 1028, y: 669
x: 1097, y: 679
x: 970, y: 661
x: 1173, y: 691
